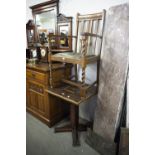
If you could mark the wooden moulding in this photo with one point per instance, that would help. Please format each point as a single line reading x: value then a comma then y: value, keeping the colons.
x: 44, y: 5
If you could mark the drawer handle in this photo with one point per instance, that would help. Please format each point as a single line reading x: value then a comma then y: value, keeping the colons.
x: 41, y: 91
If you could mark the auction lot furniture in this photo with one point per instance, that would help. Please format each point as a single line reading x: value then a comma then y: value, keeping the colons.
x: 49, y: 110
x: 46, y: 19
x: 88, y: 43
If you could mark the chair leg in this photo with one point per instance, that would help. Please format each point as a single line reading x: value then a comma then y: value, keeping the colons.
x: 83, y: 75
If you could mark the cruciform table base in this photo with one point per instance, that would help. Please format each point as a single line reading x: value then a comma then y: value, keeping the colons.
x: 74, y: 125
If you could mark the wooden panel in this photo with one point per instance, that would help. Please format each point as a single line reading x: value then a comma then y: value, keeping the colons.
x: 33, y: 103
x: 37, y: 97
x: 40, y: 77
x: 41, y: 104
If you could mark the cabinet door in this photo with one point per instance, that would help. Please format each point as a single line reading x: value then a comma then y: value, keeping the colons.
x: 41, y: 104
x: 33, y: 100
x: 36, y: 98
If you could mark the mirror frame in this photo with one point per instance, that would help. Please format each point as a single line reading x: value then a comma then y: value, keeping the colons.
x: 44, y: 7
x: 65, y: 21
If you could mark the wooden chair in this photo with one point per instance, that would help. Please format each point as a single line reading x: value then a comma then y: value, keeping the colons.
x: 88, y: 44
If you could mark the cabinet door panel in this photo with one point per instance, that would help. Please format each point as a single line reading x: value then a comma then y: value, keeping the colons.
x: 36, y: 96
x: 33, y: 100
x: 41, y: 104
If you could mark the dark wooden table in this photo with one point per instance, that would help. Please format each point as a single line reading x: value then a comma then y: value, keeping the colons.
x: 74, y: 101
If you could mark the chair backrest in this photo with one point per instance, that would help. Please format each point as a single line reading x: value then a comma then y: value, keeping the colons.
x: 94, y: 24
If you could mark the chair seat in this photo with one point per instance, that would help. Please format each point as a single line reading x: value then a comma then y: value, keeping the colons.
x: 75, y: 58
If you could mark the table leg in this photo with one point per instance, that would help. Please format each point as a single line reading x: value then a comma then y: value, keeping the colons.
x: 74, y: 125
x: 74, y: 116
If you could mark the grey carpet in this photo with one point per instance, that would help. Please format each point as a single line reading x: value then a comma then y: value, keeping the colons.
x: 41, y: 140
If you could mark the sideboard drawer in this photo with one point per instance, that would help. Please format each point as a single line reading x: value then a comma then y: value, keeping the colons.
x: 36, y: 88
x: 37, y: 76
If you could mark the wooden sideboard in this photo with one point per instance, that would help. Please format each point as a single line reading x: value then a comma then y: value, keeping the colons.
x: 38, y: 102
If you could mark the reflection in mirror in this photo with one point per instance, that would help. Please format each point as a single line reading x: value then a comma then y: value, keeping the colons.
x: 46, y: 23
x: 30, y: 33
x: 63, y: 30
x: 30, y: 36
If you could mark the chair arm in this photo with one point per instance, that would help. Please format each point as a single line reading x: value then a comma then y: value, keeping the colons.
x: 87, y: 34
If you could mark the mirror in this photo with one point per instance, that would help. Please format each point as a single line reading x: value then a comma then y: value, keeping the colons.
x: 64, y: 41
x: 30, y: 36
x: 46, y: 23
x: 65, y: 31
x: 47, y: 20
x: 45, y: 17
x: 30, y: 32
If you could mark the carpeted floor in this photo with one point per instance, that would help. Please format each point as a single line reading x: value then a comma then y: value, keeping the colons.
x: 41, y: 140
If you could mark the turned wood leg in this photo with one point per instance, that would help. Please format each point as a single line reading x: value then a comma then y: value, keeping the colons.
x: 83, y: 75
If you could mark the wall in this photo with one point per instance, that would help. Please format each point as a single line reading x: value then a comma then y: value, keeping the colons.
x: 70, y: 8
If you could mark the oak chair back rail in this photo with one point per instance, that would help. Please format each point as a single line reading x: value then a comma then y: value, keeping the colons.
x: 87, y: 49
x: 89, y: 24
